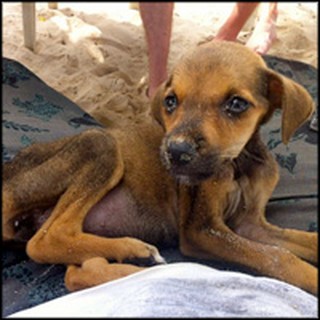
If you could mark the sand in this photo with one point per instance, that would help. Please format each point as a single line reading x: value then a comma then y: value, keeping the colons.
x: 95, y: 53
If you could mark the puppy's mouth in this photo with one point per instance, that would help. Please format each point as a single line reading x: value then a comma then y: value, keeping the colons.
x: 190, y: 164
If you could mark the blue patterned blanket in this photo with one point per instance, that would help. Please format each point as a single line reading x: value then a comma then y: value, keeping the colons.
x: 32, y: 112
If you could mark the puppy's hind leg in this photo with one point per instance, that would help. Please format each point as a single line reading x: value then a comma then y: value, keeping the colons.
x: 96, y: 271
x: 30, y: 181
x: 39, y: 174
x: 32, y: 156
x: 61, y: 238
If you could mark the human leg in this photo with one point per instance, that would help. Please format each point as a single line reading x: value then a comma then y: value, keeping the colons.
x: 157, y: 21
x: 239, y: 15
x: 264, y: 33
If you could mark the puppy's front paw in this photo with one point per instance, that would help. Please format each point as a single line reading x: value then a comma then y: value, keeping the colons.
x: 154, y: 258
x: 142, y: 254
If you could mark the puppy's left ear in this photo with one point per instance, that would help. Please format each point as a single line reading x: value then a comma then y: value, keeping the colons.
x: 295, y: 102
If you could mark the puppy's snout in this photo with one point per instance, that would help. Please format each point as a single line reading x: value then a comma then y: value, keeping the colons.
x: 180, y: 153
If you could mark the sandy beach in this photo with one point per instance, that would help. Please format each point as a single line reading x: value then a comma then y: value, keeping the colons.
x: 95, y: 53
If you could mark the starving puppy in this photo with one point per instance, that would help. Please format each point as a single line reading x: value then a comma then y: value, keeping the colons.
x: 196, y: 174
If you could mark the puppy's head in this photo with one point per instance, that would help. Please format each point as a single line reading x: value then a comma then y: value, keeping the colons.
x: 214, y: 101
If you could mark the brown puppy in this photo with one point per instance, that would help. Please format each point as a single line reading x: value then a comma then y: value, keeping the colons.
x: 102, y: 190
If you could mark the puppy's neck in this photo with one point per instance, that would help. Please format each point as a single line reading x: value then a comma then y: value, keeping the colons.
x: 253, y: 154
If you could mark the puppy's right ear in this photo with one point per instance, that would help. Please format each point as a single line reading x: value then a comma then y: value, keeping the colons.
x: 157, y: 104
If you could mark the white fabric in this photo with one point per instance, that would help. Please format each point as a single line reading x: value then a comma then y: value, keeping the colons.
x: 182, y: 290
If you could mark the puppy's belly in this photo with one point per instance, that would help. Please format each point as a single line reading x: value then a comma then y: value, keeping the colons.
x: 119, y: 215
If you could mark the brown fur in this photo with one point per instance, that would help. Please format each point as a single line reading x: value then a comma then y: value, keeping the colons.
x: 211, y: 199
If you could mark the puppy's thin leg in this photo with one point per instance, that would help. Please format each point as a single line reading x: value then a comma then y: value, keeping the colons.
x: 31, y: 157
x: 60, y: 239
x: 38, y: 176
x: 219, y: 242
x: 301, y: 243
x: 22, y: 178
x: 252, y: 224
x: 209, y: 237
x: 35, y: 186
x: 96, y: 271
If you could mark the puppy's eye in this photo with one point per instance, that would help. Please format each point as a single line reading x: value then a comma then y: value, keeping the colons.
x: 170, y: 102
x: 236, y: 105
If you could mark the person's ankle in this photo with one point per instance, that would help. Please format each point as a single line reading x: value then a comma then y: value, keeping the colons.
x: 149, y: 93
x: 226, y: 33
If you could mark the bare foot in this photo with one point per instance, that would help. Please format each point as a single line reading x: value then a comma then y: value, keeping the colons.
x: 263, y: 36
x: 213, y: 38
x: 227, y: 34
x: 151, y: 90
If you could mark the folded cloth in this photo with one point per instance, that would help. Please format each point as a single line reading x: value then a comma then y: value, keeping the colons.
x: 182, y: 290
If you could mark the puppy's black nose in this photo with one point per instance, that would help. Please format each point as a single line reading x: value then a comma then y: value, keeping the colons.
x: 180, y: 153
